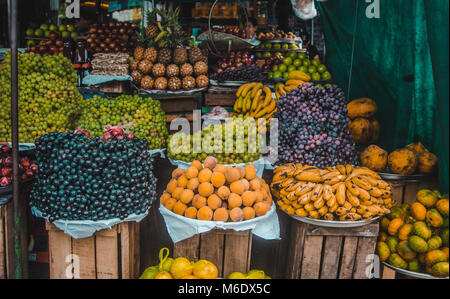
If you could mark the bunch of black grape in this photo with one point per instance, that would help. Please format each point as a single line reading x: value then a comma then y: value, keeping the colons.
x: 144, y: 117
x: 86, y: 178
x: 313, y: 127
x: 250, y: 73
x: 48, y: 96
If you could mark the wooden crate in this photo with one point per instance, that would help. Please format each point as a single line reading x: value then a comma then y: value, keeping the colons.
x: 329, y: 253
x: 114, y: 87
x: 177, y: 104
x: 6, y: 241
x: 220, y: 96
x: 108, y: 254
x: 229, y: 250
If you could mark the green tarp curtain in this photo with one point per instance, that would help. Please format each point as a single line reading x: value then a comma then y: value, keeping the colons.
x: 401, y: 61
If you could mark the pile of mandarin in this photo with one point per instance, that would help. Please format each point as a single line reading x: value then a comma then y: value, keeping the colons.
x: 217, y: 193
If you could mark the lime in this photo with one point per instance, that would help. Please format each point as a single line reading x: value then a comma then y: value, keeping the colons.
x: 44, y: 27
x: 278, y: 54
x: 316, y: 62
x: 297, y: 62
x: 39, y: 32
x: 306, y: 62
x: 276, y: 68
x: 65, y: 34
x: 270, y: 75
x: 62, y: 28
x: 285, y: 46
x: 312, y: 69
x: 321, y: 68
x: 319, y: 85
x: 287, y: 61
x: 267, y: 54
x: 291, y: 68
x: 303, y: 69
x: 52, y: 27
x: 268, y: 46
x: 326, y: 76
x: 293, y: 46
x: 277, y: 74
x: 282, y: 67
x: 29, y: 32
x: 292, y: 55
x: 47, y: 33
x: 286, y: 75
x: 302, y: 55
x: 315, y: 76
x: 276, y: 46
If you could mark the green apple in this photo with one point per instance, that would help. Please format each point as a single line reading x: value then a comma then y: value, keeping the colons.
x: 307, y: 62
x: 282, y: 68
x: 292, y: 55
x: 47, y: 33
x: 312, y: 69
x: 326, y: 76
x: 277, y: 74
x: 315, y: 76
x: 53, y: 28
x: 291, y: 68
x: 38, y: 32
x: 276, y: 46
x: 65, y: 34
x: 297, y: 62
x: 302, y: 55
x: 29, y: 32
x: 316, y: 62
x: 61, y: 28
x: 44, y: 27
x: 287, y: 61
x: 321, y: 68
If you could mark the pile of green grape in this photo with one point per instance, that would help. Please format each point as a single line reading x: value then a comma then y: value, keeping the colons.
x: 48, y: 96
x: 232, y: 142
x: 142, y: 116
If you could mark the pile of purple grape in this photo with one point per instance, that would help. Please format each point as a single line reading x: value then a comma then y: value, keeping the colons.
x: 313, y: 127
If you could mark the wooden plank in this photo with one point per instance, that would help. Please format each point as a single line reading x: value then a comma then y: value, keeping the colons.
x: 189, y: 248
x: 9, y: 239
x: 126, y: 246
x: 135, y: 253
x: 237, y: 252
x: 179, y: 105
x: 331, y: 256
x: 312, y: 253
x: 370, y: 230
x: 397, y: 191
x: 107, y: 254
x: 85, y: 250
x: 411, y: 189
x: 218, y: 99
x: 388, y: 273
x: 2, y: 246
x: 348, y: 257
x: 366, y: 246
x: 212, y: 247
x: 59, y: 250
x: 295, y: 252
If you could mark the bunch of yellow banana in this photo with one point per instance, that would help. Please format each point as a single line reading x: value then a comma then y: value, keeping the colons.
x: 283, y: 89
x: 345, y: 192
x: 255, y: 100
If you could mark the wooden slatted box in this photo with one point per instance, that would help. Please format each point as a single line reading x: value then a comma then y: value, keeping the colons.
x: 330, y: 253
x: 108, y: 254
x: 6, y: 241
x: 220, y: 96
x: 229, y: 250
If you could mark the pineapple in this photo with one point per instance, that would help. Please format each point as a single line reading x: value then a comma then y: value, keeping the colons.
x: 158, y: 70
x: 137, y: 76
x: 165, y: 56
x: 133, y: 65
x: 188, y: 83
x: 147, y: 82
x: 152, y: 30
x: 151, y: 54
x: 145, y: 66
x: 161, y: 83
x: 195, y: 55
x: 174, y: 83
x: 172, y: 70
x: 202, y: 81
x: 200, y: 68
x: 180, y: 55
x: 139, y: 53
x: 186, y: 70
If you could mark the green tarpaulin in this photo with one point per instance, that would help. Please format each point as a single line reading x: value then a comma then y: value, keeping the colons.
x: 401, y: 61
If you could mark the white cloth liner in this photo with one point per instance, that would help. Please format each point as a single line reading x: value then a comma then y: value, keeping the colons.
x: 79, y: 229
x: 181, y: 228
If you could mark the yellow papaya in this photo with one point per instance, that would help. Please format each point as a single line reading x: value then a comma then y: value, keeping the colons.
x: 421, y: 229
x: 383, y: 251
x: 418, y: 211
x: 397, y: 261
x: 405, y: 231
x: 435, y: 242
x: 440, y: 269
x: 435, y: 256
x: 427, y: 197
x: 414, y: 265
x: 434, y: 218
x: 442, y: 206
x: 394, y: 226
x: 418, y: 244
x: 405, y: 251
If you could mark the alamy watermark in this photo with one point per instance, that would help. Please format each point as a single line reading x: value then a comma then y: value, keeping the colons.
x: 373, y: 9
x: 73, y: 9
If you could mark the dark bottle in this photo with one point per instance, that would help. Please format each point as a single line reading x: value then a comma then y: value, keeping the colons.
x: 68, y: 50
x: 81, y: 60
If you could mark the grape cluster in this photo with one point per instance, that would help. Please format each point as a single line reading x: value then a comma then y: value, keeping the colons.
x: 235, y: 141
x: 142, y: 116
x: 249, y: 73
x: 48, y: 96
x: 85, y: 178
x: 314, y: 127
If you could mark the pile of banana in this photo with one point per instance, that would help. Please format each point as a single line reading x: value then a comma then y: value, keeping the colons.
x: 255, y: 100
x: 282, y: 89
x: 343, y: 193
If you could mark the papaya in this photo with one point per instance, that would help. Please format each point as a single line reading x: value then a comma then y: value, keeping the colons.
x: 374, y: 158
x: 398, y: 212
x: 417, y: 147
x: 427, y: 197
x: 405, y: 231
x: 421, y: 258
x: 418, y: 244
x: 434, y: 218
x: 383, y: 236
x: 402, y: 161
x: 442, y: 206
x: 440, y: 269
x: 394, y: 226
x: 392, y: 244
x: 383, y: 251
x: 397, y: 261
x: 435, y: 256
x: 384, y: 224
x: 405, y: 251
x: 375, y: 130
x: 421, y: 229
x: 445, y: 250
x: 427, y: 163
x: 414, y: 265
x: 360, y: 130
x: 435, y: 242
x: 362, y: 107
x: 444, y: 237
x: 418, y: 211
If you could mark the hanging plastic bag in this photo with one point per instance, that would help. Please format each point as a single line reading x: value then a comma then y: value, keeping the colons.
x: 304, y: 9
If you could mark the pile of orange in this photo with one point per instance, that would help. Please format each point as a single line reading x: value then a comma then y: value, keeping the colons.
x: 217, y: 193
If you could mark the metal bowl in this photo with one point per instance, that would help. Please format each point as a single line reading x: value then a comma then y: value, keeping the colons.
x: 401, y: 177
x: 281, y: 40
x: 333, y: 224
x: 412, y: 274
